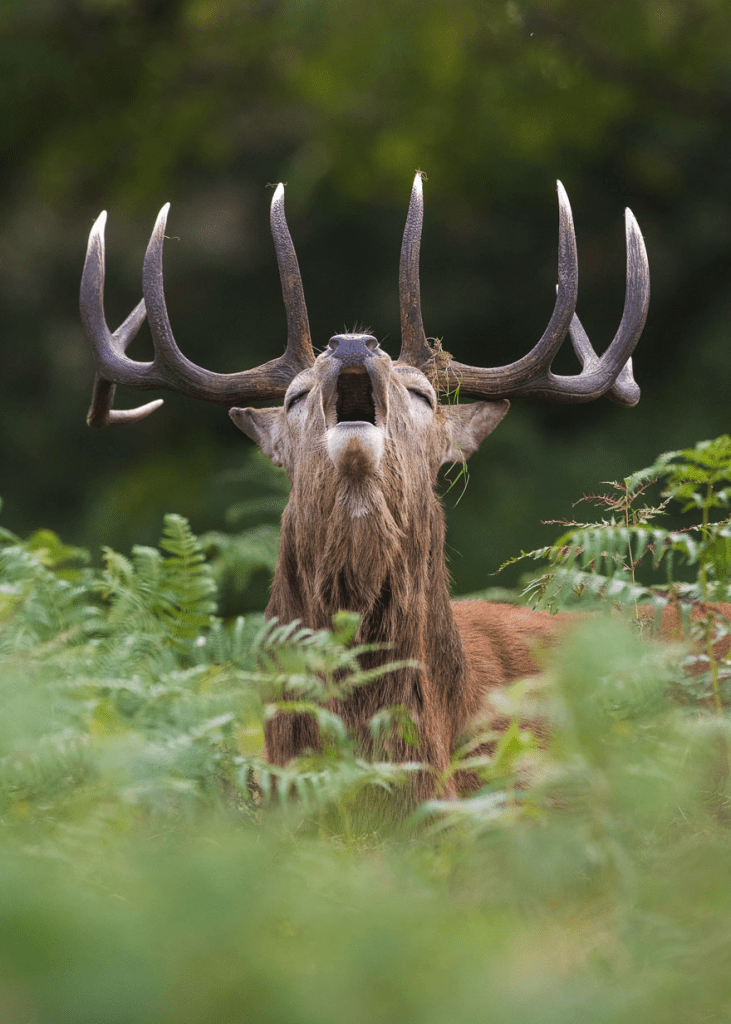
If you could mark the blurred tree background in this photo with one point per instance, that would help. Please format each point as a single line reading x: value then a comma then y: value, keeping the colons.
x: 126, y: 104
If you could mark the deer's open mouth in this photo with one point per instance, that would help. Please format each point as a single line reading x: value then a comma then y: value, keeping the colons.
x: 355, y: 439
x: 354, y: 397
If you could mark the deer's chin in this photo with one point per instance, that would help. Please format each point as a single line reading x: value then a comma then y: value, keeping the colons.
x: 355, y: 448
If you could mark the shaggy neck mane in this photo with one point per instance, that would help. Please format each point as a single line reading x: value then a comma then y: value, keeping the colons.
x: 373, y: 545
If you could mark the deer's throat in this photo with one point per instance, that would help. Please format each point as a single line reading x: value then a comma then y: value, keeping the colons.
x: 395, y: 577
x: 386, y: 566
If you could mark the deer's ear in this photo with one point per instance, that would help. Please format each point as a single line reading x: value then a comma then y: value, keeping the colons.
x: 264, y: 427
x: 469, y: 425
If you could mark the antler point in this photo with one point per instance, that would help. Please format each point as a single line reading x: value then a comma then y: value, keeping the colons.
x: 116, y: 417
x: 162, y: 219
x: 96, y: 235
x: 630, y: 220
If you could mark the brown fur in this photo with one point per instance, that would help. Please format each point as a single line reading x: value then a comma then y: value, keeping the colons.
x: 672, y: 628
x: 364, y: 531
x: 381, y: 564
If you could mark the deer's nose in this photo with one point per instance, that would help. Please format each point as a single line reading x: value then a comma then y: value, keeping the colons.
x: 353, y: 349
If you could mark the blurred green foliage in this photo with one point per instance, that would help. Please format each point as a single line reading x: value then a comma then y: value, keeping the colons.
x: 145, y: 877
x: 125, y: 104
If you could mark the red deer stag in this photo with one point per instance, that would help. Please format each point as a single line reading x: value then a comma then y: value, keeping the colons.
x: 362, y: 438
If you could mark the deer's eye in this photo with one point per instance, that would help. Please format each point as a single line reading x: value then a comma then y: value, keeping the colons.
x: 423, y: 395
x: 296, y: 399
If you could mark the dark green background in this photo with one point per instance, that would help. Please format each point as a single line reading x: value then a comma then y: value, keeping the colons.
x: 124, y: 105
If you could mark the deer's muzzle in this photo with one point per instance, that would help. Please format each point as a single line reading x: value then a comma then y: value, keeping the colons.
x: 355, y: 401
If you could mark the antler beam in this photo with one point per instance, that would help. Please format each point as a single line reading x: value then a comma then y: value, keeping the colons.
x: 170, y: 368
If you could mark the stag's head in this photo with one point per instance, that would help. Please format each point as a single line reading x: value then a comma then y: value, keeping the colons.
x: 359, y: 424
x: 352, y: 418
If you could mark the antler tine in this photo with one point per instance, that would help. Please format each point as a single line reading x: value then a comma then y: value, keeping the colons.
x: 108, y: 348
x: 179, y: 372
x: 520, y: 377
x: 299, y: 343
x: 265, y: 382
x: 567, y: 292
x: 610, y: 375
x: 625, y: 390
x: 100, y: 412
x: 415, y: 349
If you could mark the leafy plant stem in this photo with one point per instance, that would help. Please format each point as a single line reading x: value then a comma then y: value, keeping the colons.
x: 703, y: 577
x: 627, y: 505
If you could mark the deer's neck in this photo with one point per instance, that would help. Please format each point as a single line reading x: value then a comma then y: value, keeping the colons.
x: 388, y: 565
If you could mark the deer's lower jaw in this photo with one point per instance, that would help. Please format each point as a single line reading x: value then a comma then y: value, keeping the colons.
x: 355, y: 448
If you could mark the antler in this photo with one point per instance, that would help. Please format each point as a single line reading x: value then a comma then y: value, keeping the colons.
x: 611, y: 374
x: 414, y: 346
x: 170, y: 368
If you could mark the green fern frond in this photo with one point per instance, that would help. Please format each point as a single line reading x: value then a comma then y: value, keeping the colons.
x: 235, y: 558
x: 188, y: 582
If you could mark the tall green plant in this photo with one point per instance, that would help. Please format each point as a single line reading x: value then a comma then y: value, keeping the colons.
x: 124, y: 677
x: 619, y: 557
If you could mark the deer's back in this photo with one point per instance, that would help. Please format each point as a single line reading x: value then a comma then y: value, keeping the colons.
x: 503, y: 641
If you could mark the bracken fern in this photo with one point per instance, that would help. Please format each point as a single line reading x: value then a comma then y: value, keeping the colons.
x: 146, y: 879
